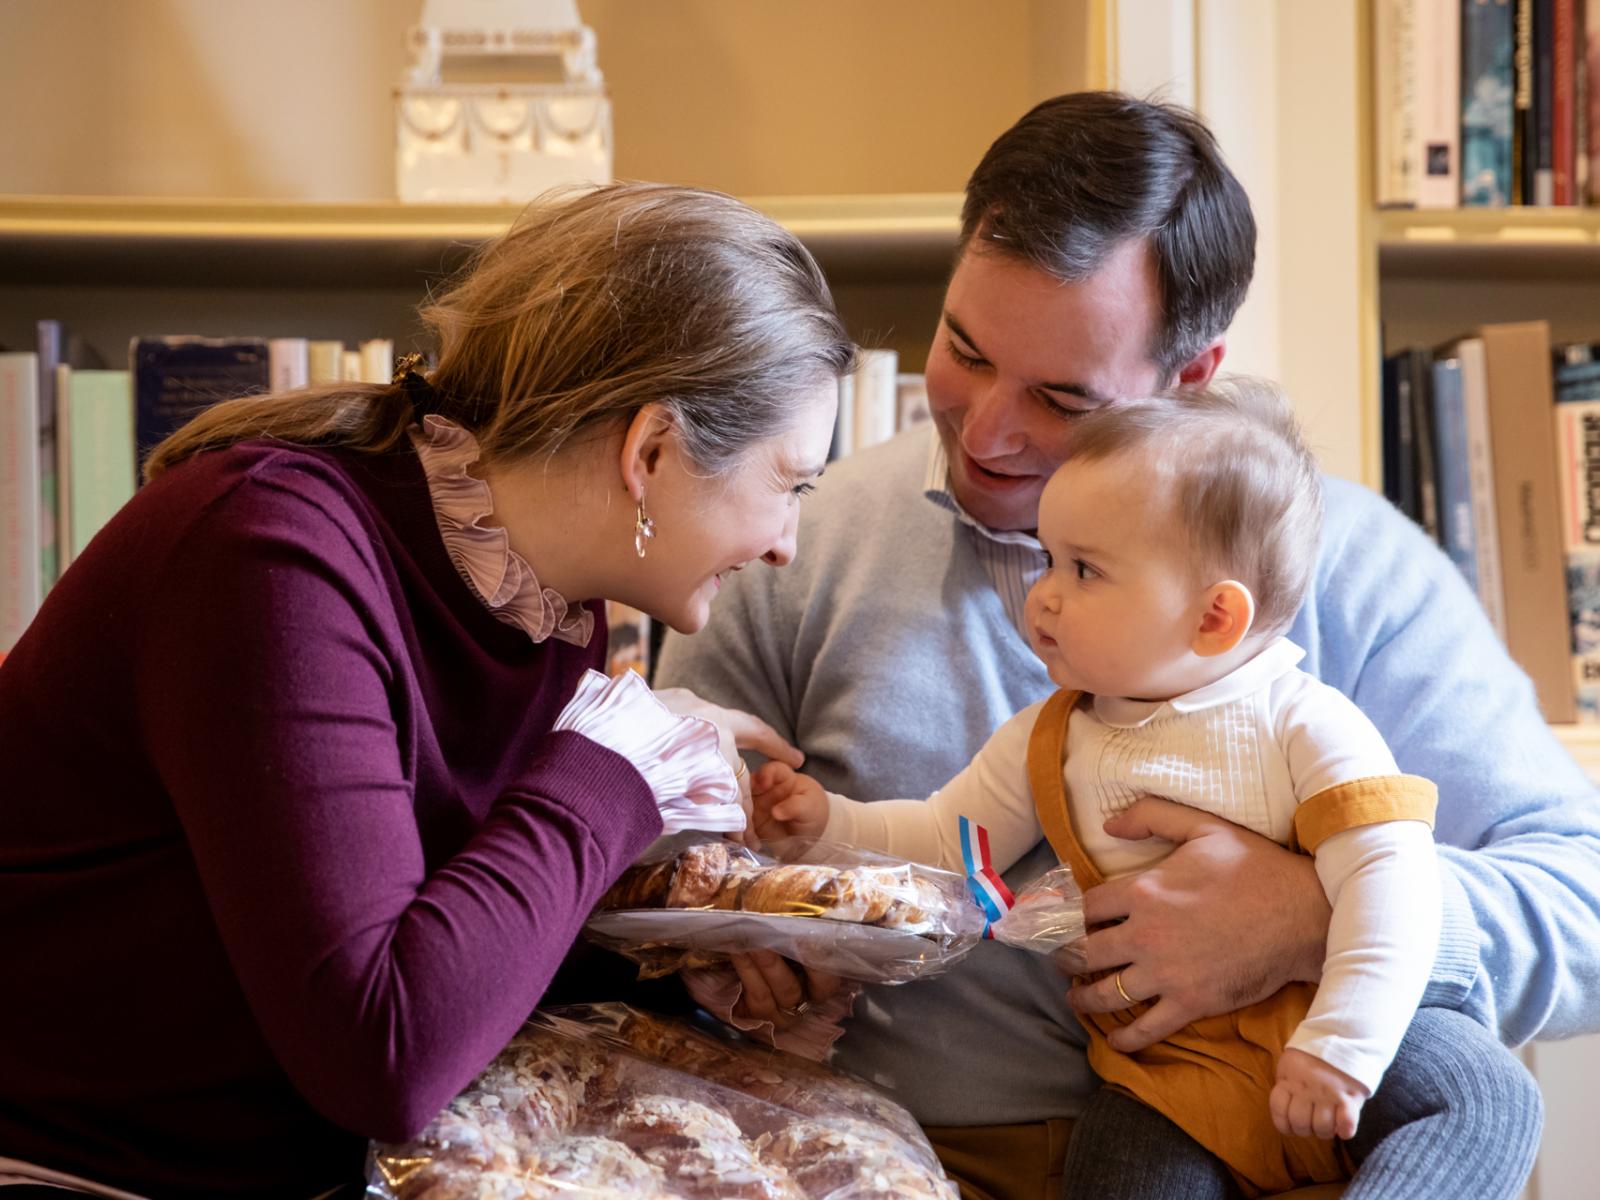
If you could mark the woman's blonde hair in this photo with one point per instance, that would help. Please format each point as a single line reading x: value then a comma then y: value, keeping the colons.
x: 591, y: 306
x: 1246, y: 488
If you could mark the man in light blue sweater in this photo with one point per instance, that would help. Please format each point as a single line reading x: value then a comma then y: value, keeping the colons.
x: 1105, y: 248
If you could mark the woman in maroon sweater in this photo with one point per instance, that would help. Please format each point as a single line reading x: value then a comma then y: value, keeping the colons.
x: 300, y: 814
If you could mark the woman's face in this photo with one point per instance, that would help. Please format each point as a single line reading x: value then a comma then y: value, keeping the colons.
x: 708, y: 526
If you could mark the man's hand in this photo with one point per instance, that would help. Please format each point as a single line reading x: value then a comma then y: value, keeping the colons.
x: 1312, y: 1099
x: 787, y: 804
x: 1226, y: 919
x: 773, y: 992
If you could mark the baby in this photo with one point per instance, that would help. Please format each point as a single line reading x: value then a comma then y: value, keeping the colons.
x: 1181, y: 536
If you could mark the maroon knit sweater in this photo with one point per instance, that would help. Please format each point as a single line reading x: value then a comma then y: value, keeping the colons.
x: 287, y: 847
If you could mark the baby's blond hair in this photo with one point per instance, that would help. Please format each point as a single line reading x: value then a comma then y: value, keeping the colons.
x: 1246, y: 489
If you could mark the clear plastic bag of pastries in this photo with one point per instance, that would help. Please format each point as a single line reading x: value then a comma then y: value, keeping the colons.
x: 692, y: 900
x: 608, y: 1103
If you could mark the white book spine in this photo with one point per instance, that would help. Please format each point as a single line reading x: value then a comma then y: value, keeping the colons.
x: 351, y: 368
x: 912, y: 400
x: 377, y: 361
x: 1395, y: 113
x: 844, y: 427
x: 65, y: 550
x: 324, y: 362
x: 19, y: 495
x: 287, y: 363
x: 1438, y: 59
x: 876, y: 398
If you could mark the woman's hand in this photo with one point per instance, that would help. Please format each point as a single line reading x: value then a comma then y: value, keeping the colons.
x: 1177, y: 940
x: 773, y: 992
x: 736, y: 731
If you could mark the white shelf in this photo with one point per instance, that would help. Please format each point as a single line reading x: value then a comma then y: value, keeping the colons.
x: 1549, y: 243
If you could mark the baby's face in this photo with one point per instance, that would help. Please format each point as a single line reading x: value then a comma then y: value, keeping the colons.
x: 1117, y: 611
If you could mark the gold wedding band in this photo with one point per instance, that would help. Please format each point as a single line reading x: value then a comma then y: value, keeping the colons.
x: 795, y: 1010
x: 739, y: 769
x: 1122, y: 991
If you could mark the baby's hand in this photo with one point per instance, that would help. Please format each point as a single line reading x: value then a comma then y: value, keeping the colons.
x: 1313, y: 1099
x: 787, y: 804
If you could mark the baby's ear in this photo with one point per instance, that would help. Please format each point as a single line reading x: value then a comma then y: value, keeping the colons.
x: 1229, y: 611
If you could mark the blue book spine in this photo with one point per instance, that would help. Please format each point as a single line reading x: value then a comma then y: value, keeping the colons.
x: 176, y: 378
x: 1453, y: 469
x: 1486, y: 102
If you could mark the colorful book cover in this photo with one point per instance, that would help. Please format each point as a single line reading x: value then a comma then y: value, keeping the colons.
x: 175, y: 378
x: 1486, y: 103
x: 1583, y: 604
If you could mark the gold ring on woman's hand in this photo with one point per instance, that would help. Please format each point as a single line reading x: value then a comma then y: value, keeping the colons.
x: 795, y: 1010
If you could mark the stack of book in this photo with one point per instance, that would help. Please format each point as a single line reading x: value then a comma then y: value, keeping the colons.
x: 1487, y: 102
x: 74, y: 435
x: 1492, y: 444
x: 876, y: 402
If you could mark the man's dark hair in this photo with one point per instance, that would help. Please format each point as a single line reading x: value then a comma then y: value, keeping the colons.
x: 1081, y: 174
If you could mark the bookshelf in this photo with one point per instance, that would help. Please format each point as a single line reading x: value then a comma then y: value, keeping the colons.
x: 115, y: 266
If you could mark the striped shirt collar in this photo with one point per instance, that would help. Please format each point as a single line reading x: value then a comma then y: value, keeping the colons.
x: 936, y: 487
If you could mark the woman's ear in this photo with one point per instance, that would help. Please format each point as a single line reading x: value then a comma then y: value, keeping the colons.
x: 1229, y: 612
x: 644, y: 440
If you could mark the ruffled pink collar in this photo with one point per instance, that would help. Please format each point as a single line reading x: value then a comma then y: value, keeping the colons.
x: 496, y: 573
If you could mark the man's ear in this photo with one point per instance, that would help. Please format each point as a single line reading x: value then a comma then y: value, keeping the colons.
x: 1197, y: 372
x: 1229, y: 612
x: 644, y: 440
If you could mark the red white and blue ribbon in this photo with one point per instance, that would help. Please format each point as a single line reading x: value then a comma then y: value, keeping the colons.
x: 988, y: 889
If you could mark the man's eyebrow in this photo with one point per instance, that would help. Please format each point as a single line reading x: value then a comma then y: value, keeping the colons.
x: 1067, y: 389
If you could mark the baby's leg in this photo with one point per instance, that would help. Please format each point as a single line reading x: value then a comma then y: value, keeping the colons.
x: 1456, y: 1115
x: 1123, y: 1150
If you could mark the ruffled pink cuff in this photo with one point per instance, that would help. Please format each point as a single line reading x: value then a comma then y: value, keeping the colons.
x: 679, y: 757
x: 718, y: 990
x: 499, y: 576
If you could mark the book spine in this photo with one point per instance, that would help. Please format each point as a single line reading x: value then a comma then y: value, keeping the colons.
x: 20, y: 590
x: 875, y: 397
x: 1480, y: 461
x: 288, y: 364
x: 1420, y: 367
x: 1454, y: 469
x: 1544, y: 103
x: 1529, y: 509
x: 1590, y: 99
x: 1486, y: 103
x: 1439, y: 104
x: 1398, y: 143
x: 1564, y: 104
x: 1524, y: 135
x: 101, y: 415
x: 1583, y: 610
x: 65, y: 550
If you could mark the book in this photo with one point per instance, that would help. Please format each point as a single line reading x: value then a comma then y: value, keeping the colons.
x: 98, y: 406
x: 1419, y: 368
x: 55, y: 345
x: 351, y: 365
x: 288, y: 363
x: 1564, y: 103
x: 1399, y: 440
x: 1398, y: 145
x: 1438, y: 59
x: 1528, y: 509
x: 1480, y: 474
x: 176, y: 378
x: 876, y: 399
x: 1524, y: 129
x: 1590, y: 166
x: 324, y: 362
x: 20, y: 590
x: 1583, y: 607
x: 911, y: 400
x: 1543, y: 124
x: 377, y: 361
x: 1454, y: 469
x: 844, y: 424
x: 1486, y: 102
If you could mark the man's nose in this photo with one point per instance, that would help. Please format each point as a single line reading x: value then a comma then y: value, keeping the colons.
x: 992, y: 428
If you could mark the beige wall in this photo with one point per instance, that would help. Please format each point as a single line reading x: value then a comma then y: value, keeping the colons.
x: 291, y: 98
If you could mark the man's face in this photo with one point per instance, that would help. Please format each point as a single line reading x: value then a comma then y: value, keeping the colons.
x: 1017, y: 354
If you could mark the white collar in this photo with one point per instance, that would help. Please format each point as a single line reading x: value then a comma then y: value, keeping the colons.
x: 1276, y: 659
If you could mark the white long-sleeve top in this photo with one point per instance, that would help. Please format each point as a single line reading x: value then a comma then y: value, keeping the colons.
x: 1250, y: 748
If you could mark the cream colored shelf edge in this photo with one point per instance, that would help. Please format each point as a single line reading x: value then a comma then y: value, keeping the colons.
x: 846, y: 218
x: 1511, y: 227
x: 1583, y: 743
